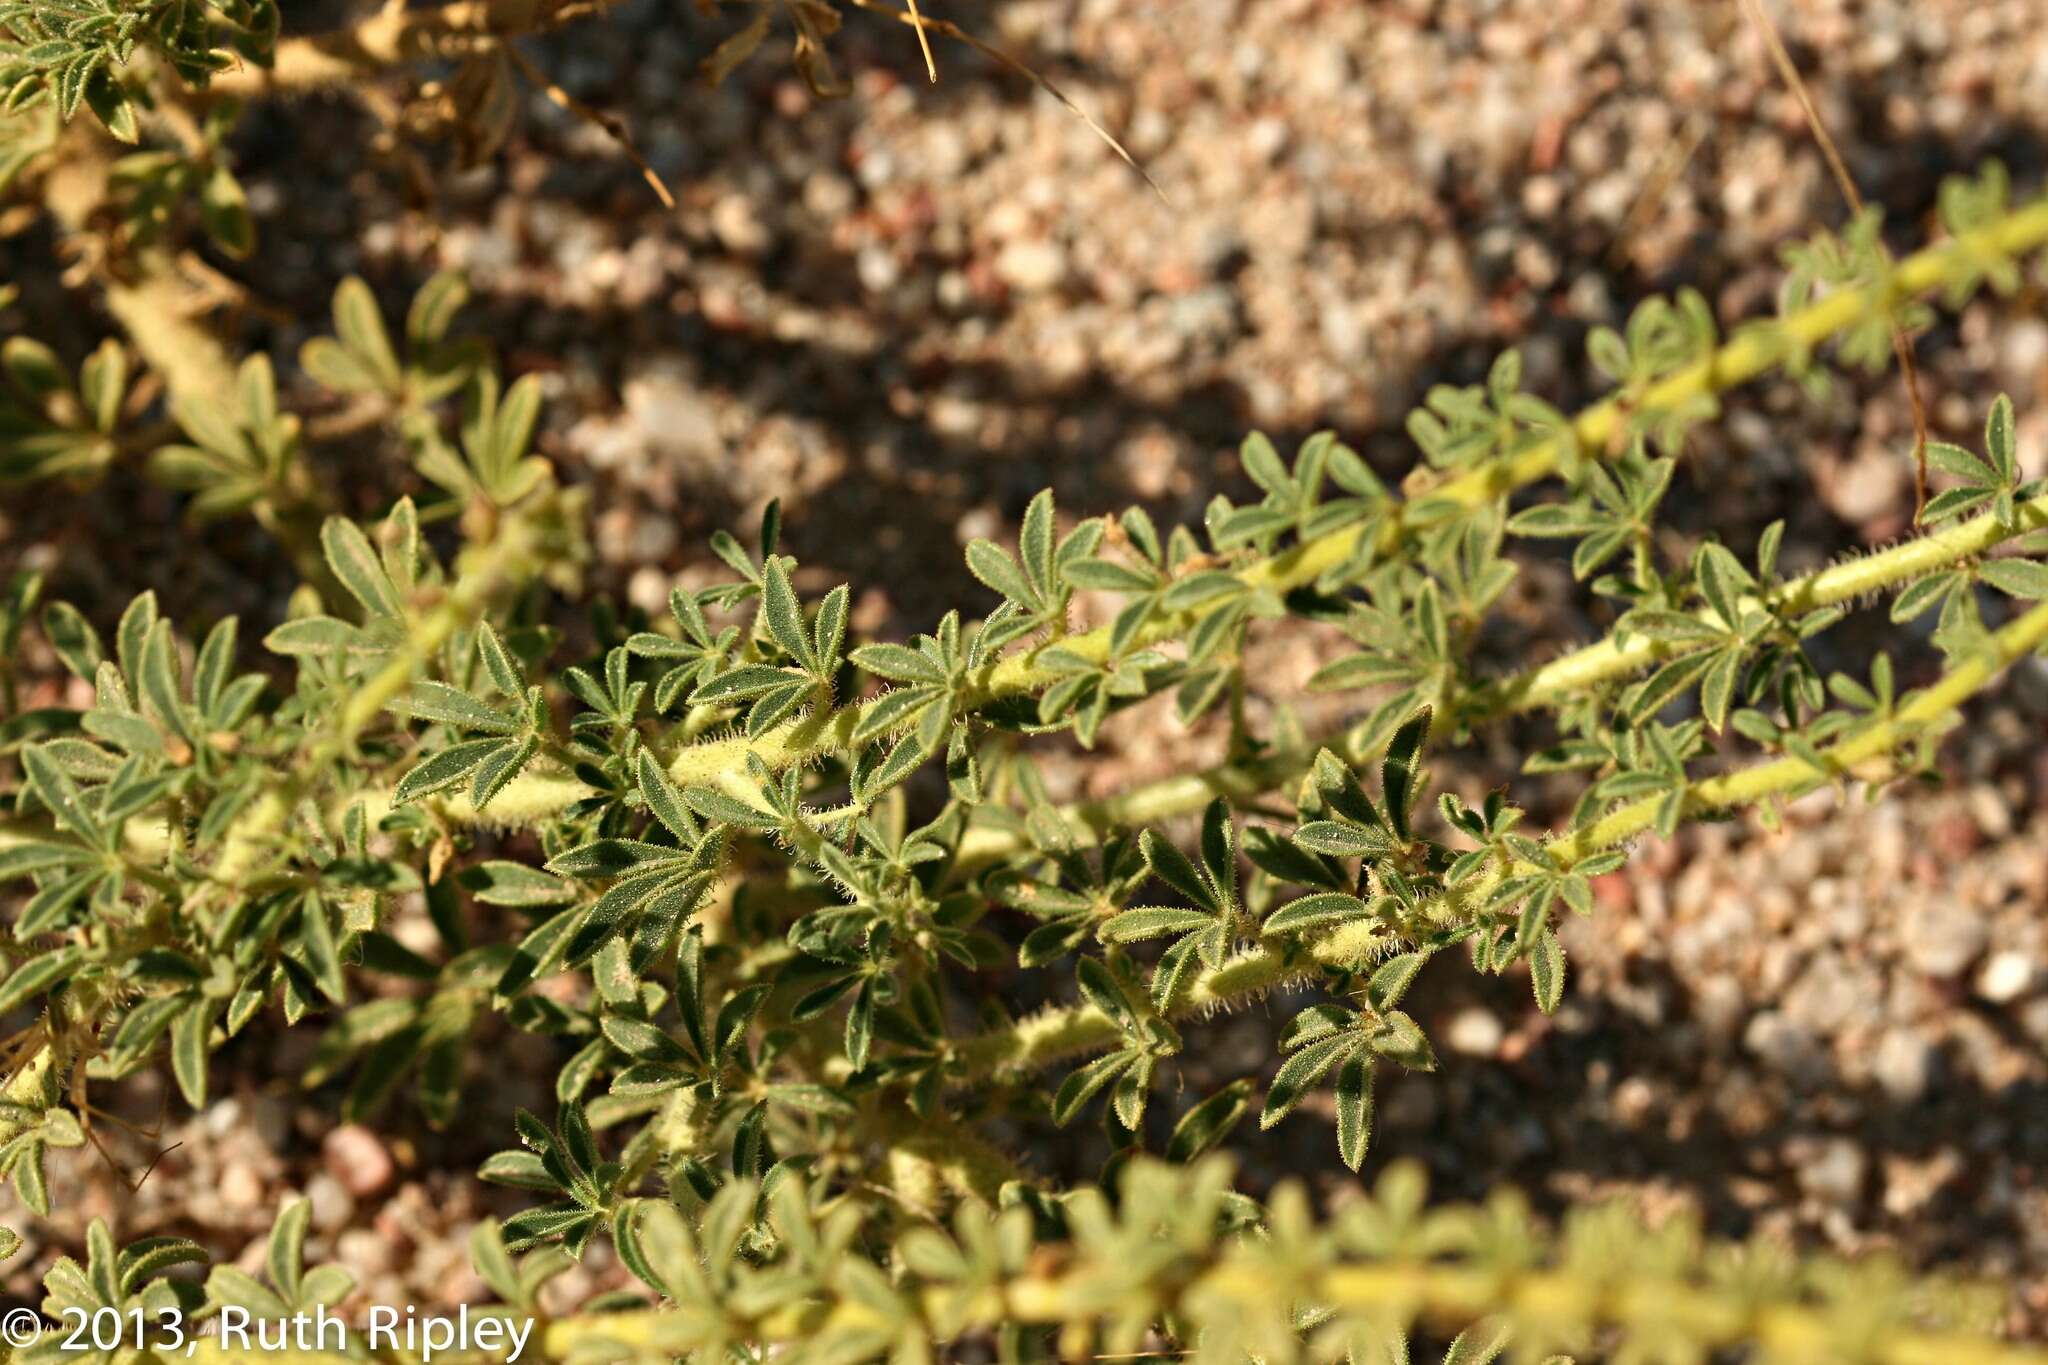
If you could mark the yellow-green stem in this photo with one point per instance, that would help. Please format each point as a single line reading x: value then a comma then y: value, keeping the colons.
x: 1057, y: 1033
x: 722, y: 763
x: 1573, y: 674
x: 1550, y: 685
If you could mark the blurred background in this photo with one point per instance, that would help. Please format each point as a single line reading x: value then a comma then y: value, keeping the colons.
x: 904, y: 311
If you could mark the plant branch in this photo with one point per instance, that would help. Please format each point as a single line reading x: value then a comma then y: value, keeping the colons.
x: 394, y: 36
x: 539, y: 794
x: 1551, y: 684
x: 1061, y: 1032
x: 143, y: 289
x: 158, y: 310
x: 1557, y: 681
x: 722, y: 763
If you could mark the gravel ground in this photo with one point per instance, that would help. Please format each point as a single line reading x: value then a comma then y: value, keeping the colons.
x: 909, y: 310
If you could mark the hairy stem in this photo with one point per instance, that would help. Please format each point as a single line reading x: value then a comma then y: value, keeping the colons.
x: 538, y: 794
x: 483, y: 572
x: 1063, y: 1032
x: 1561, y: 679
x: 722, y: 763
x: 1552, y: 684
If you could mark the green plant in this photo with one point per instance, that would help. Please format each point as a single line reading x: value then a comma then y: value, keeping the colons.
x: 767, y: 868
x: 749, y: 1051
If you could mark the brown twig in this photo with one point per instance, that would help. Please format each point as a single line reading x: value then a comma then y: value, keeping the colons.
x: 563, y: 99
x: 958, y: 34
x: 394, y: 36
x: 1662, y: 177
x: 931, y: 68
x: 1901, y: 347
x: 151, y: 299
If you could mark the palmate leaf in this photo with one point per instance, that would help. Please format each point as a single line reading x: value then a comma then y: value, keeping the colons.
x: 1329, y: 1036
x: 62, y: 797
x: 1135, y: 926
x: 442, y: 770
x: 1323, y: 910
x: 654, y: 888
x: 995, y: 568
x: 1208, y: 1123
x: 773, y: 694
x: 1993, y: 478
x: 1083, y: 1085
x: 1034, y: 583
x: 497, y: 432
x: 358, y: 568
x: 516, y: 729
x: 1300, y: 1072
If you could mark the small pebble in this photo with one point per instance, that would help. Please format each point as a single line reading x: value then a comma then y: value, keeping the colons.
x: 1904, y: 1065
x: 1474, y: 1032
x: 1836, y: 1173
x: 2005, y: 977
x: 1941, y: 939
x: 240, y: 1188
x: 332, y: 1204
x: 364, y: 1252
x: 1032, y: 266
x: 738, y: 225
x: 357, y: 1157
x: 223, y: 1117
x: 1786, y: 1047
